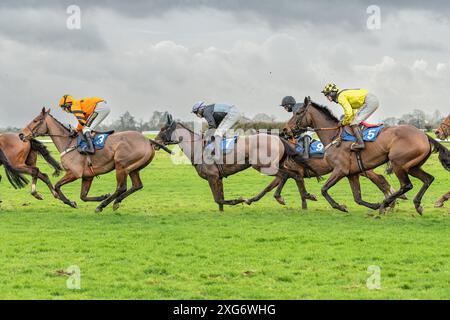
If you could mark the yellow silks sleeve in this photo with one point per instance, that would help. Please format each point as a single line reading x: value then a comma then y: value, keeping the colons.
x: 348, y: 110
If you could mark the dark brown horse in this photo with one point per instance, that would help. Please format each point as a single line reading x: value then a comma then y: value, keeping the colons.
x: 23, y: 157
x: 191, y: 144
x: 443, y: 132
x: 126, y: 152
x: 14, y: 176
x: 406, y: 147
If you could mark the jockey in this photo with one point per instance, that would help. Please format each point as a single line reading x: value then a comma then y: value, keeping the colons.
x: 220, y: 117
x: 358, y: 105
x: 90, y: 112
x: 290, y: 105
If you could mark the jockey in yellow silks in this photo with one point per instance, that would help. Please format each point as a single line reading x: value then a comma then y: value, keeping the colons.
x: 358, y: 105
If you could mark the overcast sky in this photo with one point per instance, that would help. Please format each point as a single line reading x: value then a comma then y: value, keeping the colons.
x: 143, y: 56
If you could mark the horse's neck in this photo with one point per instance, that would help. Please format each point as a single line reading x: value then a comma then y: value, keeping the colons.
x: 320, y: 121
x: 189, y: 141
x: 58, y: 134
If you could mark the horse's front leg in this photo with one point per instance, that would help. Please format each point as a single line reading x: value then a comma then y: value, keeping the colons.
x: 336, y: 175
x: 440, y: 202
x: 356, y: 190
x: 85, y: 187
x: 68, y: 178
x: 216, y: 185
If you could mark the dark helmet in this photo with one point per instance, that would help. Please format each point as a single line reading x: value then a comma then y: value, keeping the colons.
x: 288, y: 101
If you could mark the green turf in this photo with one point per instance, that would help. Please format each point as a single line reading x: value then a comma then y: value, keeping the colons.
x: 168, y: 241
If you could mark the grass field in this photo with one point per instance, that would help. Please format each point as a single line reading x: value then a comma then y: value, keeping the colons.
x: 168, y: 241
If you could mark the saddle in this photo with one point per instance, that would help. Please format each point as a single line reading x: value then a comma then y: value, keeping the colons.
x: 98, y: 140
x: 370, y: 132
x: 316, y: 148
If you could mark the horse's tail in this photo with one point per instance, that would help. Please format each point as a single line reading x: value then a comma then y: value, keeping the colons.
x: 289, y: 151
x: 444, y: 153
x: 14, y: 176
x: 43, y: 151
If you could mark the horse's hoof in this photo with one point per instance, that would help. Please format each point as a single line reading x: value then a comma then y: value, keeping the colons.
x: 280, y: 200
x: 311, y: 197
x: 248, y: 202
x: 439, y: 204
x: 403, y: 197
x: 342, y: 208
x: 98, y: 209
x: 116, y: 206
x: 419, y: 209
x: 73, y: 204
x: 37, y: 196
x: 382, y: 209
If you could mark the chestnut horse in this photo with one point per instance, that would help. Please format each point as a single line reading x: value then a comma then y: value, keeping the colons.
x: 406, y: 147
x: 126, y: 152
x: 23, y: 157
x: 443, y: 132
x: 191, y: 144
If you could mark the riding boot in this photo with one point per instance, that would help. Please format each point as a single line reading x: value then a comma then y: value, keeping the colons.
x: 306, y: 145
x: 90, y: 145
x: 359, y: 144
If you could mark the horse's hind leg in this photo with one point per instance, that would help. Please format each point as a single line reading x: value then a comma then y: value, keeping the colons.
x: 121, y: 178
x: 441, y: 201
x: 356, y: 190
x: 277, y: 194
x: 35, y: 173
x: 136, y: 185
x: 267, y: 189
x: 85, y: 187
x: 405, y: 186
x: 302, y: 190
x: 427, y: 180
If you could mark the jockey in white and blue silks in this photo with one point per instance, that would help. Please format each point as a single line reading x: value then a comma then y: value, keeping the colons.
x: 290, y: 105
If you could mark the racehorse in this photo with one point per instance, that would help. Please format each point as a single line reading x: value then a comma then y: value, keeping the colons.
x: 14, y: 176
x: 442, y: 132
x: 175, y: 132
x: 126, y: 152
x: 406, y: 147
x: 23, y: 157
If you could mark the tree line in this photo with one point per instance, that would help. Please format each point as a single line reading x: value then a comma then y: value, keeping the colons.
x: 127, y: 121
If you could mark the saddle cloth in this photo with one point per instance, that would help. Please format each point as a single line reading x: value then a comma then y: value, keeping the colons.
x: 227, y: 144
x: 316, y: 148
x: 370, y: 132
x: 98, y: 141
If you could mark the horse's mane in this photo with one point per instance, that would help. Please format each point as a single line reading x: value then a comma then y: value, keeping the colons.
x: 326, y: 111
x: 59, y: 122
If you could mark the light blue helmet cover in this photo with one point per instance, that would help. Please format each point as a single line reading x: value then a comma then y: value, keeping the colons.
x: 197, y: 106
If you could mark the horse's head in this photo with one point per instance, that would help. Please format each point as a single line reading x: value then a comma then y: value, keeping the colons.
x: 37, y: 127
x: 443, y: 131
x: 165, y: 134
x: 299, y: 120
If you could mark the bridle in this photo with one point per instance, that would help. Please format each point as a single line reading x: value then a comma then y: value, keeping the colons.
x: 171, y: 142
x: 34, y: 135
x: 298, y: 126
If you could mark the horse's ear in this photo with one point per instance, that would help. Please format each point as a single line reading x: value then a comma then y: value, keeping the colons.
x: 48, y: 110
x: 306, y: 101
x: 43, y: 110
x: 169, y: 119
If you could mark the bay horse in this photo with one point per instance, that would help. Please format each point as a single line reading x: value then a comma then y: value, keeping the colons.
x: 443, y: 132
x: 14, y: 176
x: 191, y: 144
x: 404, y: 146
x: 23, y: 157
x: 125, y: 152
